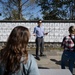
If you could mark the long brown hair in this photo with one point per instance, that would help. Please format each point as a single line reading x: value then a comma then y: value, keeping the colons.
x: 15, y: 48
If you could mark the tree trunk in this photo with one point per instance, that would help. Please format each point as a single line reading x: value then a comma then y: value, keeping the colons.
x: 19, y: 10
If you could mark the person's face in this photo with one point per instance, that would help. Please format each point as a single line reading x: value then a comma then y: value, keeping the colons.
x: 39, y: 23
x: 74, y: 30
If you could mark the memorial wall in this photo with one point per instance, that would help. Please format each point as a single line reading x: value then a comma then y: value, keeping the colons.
x: 57, y: 30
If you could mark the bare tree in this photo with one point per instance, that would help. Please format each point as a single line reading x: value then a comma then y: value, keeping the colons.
x: 20, y: 6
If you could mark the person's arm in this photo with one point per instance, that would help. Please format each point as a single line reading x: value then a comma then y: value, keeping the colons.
x: 63, y: 42
x: 33, y: 68
x: 34, y: 32
x: 46, y: 33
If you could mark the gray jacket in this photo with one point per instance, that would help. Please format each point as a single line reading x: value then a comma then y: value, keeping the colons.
x: 30, y: 67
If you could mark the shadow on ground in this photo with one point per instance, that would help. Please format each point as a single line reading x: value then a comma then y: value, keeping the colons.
x: 56, y: 61
x: 34, y: 54
x: 43, y: 67
x: 59, y: 62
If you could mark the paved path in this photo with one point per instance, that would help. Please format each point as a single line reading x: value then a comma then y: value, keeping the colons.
x: 51, y: 60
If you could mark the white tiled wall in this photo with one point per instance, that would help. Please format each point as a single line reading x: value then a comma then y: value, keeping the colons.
x: 56, y: 30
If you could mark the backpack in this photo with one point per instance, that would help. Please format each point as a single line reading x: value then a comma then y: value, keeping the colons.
x: 72, y: 40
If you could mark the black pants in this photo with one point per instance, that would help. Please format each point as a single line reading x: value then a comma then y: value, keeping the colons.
x: 39, y: 45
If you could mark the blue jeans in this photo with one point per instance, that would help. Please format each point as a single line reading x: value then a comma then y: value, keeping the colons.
x: 69, y: 57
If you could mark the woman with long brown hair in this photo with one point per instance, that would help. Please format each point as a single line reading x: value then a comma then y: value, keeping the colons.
x: 15, y: 59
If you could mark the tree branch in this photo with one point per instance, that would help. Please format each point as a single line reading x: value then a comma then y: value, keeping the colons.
x: 24, y: 2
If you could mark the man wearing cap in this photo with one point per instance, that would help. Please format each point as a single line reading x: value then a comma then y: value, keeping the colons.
x: 39, y: 33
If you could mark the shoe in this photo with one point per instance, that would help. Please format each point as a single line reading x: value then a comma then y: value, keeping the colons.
x: 37, y: 58
x: 42, y: 55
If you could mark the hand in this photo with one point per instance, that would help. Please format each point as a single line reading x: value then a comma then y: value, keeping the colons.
x: 34, y: 34
x: 46, y: 33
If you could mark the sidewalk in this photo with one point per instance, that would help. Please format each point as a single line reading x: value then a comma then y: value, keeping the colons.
x: 52, y: 59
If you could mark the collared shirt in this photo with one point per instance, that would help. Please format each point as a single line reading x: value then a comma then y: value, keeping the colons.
x: 39, y: 31
x: 67, y: 43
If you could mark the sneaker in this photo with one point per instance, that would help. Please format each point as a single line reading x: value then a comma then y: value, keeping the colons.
x: 37, y: 58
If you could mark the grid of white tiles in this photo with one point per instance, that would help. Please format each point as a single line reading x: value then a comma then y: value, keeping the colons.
x: 56, y: 30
